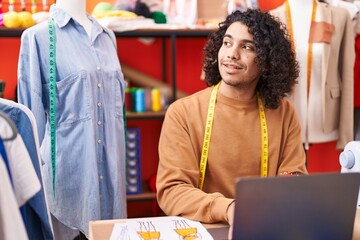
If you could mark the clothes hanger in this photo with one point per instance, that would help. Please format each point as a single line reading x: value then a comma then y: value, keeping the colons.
x: 14, y: 130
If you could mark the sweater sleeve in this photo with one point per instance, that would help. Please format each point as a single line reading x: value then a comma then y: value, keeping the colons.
x: 178, y: 174
x: 292, y: 156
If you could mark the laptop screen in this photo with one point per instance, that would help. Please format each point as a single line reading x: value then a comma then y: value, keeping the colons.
x: 318, y: 206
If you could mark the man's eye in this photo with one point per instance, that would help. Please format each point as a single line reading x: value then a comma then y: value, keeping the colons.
x: 226, y: 43
x: 248, y: 47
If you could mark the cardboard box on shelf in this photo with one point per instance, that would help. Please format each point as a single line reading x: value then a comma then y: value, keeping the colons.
x: 211, y: 10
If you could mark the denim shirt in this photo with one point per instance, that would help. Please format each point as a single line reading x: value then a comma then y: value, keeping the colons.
x: 34, y: 212
x: 90, y: 143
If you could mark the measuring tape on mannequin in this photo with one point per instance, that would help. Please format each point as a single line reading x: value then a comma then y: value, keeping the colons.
x: 208, y: 131
x: 52, y: 91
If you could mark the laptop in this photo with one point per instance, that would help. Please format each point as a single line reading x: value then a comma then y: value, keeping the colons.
x: 317, y: 206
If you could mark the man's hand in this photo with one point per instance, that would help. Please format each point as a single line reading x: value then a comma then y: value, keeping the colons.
x: 230, y: 218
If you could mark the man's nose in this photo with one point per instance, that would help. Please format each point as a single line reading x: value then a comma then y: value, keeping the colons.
x: 233, y: 54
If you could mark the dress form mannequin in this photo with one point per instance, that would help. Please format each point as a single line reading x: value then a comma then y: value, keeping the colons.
x: 325, y: 107
x: 307, y: 104
x: 87, y: 178
x: 77, y: 10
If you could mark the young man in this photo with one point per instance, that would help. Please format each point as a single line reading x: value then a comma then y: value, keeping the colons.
x: 242, y: 124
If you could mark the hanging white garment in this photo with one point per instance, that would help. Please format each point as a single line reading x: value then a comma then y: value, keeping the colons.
x: 11, y: 224
x: 24, y: 179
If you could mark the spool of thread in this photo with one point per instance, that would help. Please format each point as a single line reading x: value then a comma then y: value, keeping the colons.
x: 128, y: 100
x: 147, y: 99
x: 140, y: 100
x: 350, y: 160
x: 133, y: 98
x: 156, y: 99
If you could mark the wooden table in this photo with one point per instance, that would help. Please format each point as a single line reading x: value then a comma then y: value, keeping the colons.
x: 101, y: 230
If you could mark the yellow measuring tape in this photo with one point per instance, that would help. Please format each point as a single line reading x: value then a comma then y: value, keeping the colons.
x: 208, y: 130
x: 264, y: 139
x: 207, y: 135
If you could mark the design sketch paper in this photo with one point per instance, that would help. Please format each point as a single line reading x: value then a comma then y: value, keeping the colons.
x: 119, y: 232
x: 166, y: 228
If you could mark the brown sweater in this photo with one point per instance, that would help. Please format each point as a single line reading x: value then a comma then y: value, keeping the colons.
x: 235, y: 151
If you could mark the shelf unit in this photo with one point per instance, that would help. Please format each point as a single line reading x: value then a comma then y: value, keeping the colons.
x: 163, y: 34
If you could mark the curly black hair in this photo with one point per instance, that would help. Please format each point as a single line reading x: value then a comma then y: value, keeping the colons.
x: 275, y: 55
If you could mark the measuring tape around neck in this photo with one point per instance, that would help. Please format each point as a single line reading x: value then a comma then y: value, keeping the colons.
x: 52, y: 90
x: 207, y: 135
x: 208, y: 131
x: 264, y: 139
